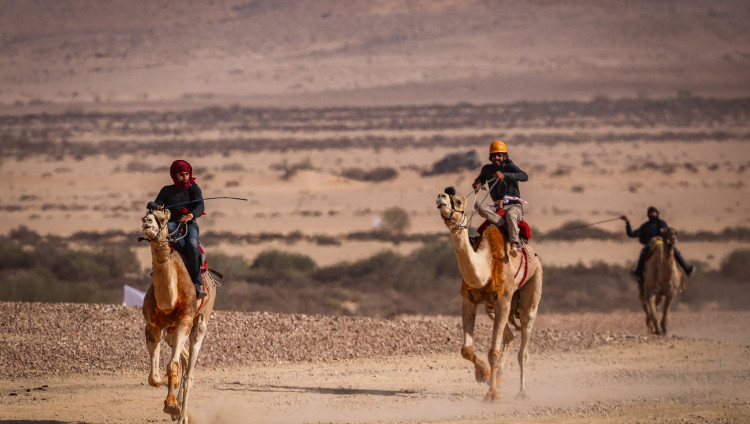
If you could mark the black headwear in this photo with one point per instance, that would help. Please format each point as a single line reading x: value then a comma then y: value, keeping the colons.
x: 652, y: 209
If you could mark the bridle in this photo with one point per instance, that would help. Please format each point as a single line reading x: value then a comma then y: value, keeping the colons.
x: 462, y: 223
x: 170, y: 237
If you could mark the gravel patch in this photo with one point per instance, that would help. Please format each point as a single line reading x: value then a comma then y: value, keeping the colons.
x: 62, y: 338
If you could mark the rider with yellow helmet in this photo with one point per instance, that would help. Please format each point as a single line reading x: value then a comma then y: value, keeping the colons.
x: 502, y: 175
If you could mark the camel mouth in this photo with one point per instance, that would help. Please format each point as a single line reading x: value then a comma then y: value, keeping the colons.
x: 441, y: 201
x: 150, y: 232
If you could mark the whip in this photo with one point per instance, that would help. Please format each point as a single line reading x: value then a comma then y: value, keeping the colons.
x: 578, y: 227
x: 206, y: 198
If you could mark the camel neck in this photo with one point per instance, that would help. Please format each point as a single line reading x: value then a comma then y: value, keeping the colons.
x: 474, y: 266
x: 164, y: 276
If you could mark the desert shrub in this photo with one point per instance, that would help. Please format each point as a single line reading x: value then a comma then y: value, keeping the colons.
x: 135, y: 166
x: 49, y: 271
x: 233, y: 267
x: 325, y: 240
x: 275, y: 260
x: 438, y: 258
x: 233, y: 167
x: 14, y: 257
x: 41, y: 285
x: 24, y: 235
x: 395, y: 221
x: 118, y: 260
x: 374, y: 175
x: 577, y: 288
x: 360, y: 274
x: 455, y: 162
x: 736, y: 265
x: 290, y: 169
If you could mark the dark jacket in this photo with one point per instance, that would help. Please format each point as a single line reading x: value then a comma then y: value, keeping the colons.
x: 508, y: 186
x: 171, y: 195
x: 647, y: 230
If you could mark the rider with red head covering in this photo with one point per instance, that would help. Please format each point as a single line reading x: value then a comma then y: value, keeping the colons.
x: 185, y: 190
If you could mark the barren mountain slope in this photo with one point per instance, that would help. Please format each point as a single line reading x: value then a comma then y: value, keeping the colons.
x: 363, y: 52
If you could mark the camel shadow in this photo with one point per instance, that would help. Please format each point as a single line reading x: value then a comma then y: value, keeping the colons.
x: 336, y: 391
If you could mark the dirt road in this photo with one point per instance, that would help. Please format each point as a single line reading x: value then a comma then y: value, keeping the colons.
x: 578, y: 373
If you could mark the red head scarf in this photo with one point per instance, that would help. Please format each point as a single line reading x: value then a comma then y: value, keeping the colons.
x: 181, y: 166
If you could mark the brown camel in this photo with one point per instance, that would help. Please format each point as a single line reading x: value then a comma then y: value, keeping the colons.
x: 172, y: 314
x: 661, y: 280
x: 507, y: 286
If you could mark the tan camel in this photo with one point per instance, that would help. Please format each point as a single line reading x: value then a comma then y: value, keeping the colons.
x: 661, y: 280
x: 172, y: 314
x: 507, y: 286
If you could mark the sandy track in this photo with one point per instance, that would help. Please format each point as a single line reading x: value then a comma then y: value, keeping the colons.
x: 270, y: 368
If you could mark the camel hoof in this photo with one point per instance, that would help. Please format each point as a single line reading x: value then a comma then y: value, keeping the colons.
x: 155, y: 381
x: 171, y: 407
x: 522, y: 395
x: 492, y: 396
x: 482, y: 374
x: 172, y: 410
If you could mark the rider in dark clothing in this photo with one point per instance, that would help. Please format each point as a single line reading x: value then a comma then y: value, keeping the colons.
x: 645, y: 232
x: 504, y: 192
x: 185, y: 190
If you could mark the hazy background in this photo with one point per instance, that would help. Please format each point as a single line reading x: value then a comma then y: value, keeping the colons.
x: 313, y: 53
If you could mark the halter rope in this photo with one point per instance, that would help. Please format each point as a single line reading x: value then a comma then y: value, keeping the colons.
x: 474, y: 205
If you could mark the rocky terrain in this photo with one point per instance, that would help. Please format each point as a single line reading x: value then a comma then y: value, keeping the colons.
x: 276, y: 368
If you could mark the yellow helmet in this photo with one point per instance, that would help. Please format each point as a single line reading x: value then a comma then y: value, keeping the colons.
x: 498, y: 147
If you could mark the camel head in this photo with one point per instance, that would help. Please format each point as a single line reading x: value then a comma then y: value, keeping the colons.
x: 452, y: 207
x: 669, y: 235
x: 155, y: 224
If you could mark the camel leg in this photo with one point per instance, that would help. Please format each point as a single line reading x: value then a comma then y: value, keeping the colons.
x: 644, y: 305
x: 508, y: 338
x: 652, y: 312
x: 529, y: 302
x: 667, y: 302
x: 468, y: 318
x: 502, y: 308
x: 184, y: 360
x: 647, y: 309
x: 173, y: 370
x: 196, y: 341
x: 153, y: 342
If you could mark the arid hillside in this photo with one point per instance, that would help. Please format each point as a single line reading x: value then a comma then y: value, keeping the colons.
x: 268, y: 52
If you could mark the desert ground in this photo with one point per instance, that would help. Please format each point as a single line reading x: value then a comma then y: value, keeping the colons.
x: 272, y: 368
x: 609, y: 107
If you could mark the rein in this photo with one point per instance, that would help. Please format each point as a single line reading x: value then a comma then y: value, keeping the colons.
x: 474, y: 205
x: 460, y: 224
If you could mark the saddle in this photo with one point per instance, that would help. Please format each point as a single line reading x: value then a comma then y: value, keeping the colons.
x: 524, y: 230
x: 204, y: 258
